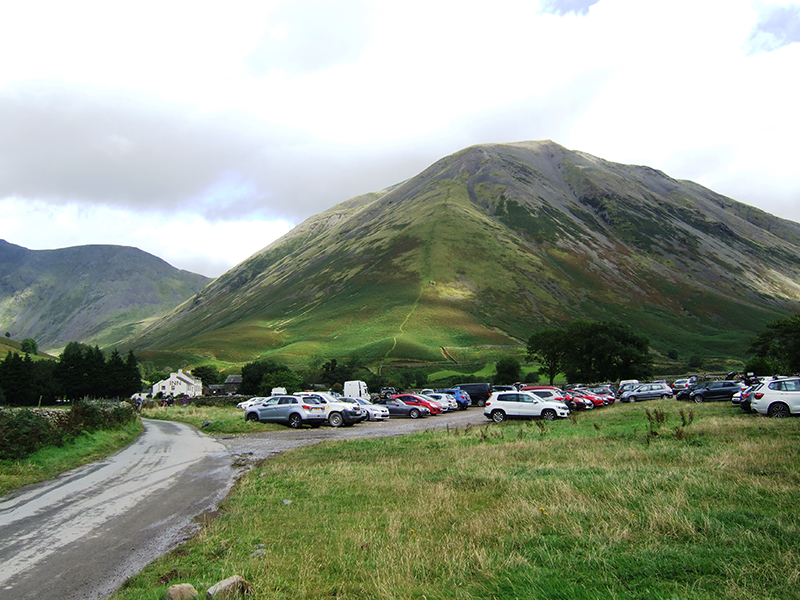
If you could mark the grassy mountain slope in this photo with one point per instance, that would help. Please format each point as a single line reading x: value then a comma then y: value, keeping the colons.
x: 489, y: 245
x: 93, y: 294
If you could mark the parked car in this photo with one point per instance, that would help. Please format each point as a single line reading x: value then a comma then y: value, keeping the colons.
x: 625, y: 387
x: 417, y: 400
x: 778, y: 397
x: 337, y: 413
x: 522, y: 405
x: 446, y: 400
x: 587, y: 396
x: 504, y: 388
x: 606, y: 391
x: 708, y: 391
x: 462, y: 398
x: 647, y: 391
x: 681, y: 384
x: 245, y: 404
x: 387, y: 392
x: 398, y: 408
x: 478, y: 392
x: 375, y: 412
x: 551, y: 394
x: 288, y: 410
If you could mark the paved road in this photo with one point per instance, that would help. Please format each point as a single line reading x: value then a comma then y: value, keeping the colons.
x: 83, y: 534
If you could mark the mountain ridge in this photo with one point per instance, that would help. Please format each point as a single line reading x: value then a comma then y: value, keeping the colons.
x: 488, y: 245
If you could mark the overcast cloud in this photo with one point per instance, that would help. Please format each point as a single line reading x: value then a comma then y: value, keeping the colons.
x: 202, y: 132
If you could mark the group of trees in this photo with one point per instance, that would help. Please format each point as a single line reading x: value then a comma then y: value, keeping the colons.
x: 590, y: 351
x: 80, y: 372
x: 777, y: 349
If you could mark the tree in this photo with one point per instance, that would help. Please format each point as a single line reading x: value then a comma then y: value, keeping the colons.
x: 29, y: 346
x: 605, y: 351
x: 590, y: 351
x: 208, y: 374
x: 336, y: 372
x: 547, y: 347
x: 779, y: 345
x: 253, y: 375
x: 283, y: 378
x: 508, y: 371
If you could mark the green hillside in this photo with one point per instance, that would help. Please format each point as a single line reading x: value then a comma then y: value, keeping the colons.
x: 93, y: 294
x: 488, y: 246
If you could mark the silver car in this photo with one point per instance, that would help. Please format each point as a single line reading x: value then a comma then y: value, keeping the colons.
x: 288, y: 410
x: 647, y: 391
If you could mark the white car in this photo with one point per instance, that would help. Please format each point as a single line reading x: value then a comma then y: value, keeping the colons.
x: 337, y: 412
x: 245, y: 404
x: 522, y: 405
x: 375, y: 412
x: 778, y: 397
x: 447, y: 401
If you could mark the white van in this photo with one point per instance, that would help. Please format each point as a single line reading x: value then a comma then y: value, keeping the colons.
x: 356, y: 389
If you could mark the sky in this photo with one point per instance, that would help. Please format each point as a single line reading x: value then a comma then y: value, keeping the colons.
x: 202, y: 131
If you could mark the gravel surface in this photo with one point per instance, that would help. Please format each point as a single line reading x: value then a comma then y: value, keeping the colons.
x: 263, y: 445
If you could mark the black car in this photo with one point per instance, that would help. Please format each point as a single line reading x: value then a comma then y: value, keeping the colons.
x: 708, y: 391
x: 478, y: 392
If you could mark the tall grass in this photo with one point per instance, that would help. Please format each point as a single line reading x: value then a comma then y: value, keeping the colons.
x: 610, y: 504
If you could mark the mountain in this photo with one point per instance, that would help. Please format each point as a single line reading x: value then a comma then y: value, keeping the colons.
x: 91, y: 294
x: 489, y: 245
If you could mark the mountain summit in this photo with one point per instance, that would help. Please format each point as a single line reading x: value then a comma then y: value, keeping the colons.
x: 491, y: 244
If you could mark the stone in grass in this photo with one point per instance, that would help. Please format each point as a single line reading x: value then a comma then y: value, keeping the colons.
x: 181, y: 591
x: 230, y: 588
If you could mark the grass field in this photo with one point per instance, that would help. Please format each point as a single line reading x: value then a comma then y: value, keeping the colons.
x: 51, y: 461
x: 222, y: 419
x: 654, y: 500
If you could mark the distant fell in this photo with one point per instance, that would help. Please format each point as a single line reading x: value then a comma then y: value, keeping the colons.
x: 97, y: 294
x: 489, y: 245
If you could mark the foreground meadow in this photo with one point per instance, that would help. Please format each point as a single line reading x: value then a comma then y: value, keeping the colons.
x: 653, y: 500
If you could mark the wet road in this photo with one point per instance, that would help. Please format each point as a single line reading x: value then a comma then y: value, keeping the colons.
x: 82, y: 534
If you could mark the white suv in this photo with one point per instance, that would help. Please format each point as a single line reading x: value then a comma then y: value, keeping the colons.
x: 522, y: 405
x: 779, y: 397
x: 338, y: 412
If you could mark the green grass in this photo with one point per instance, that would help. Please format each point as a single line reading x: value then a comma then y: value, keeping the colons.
x: 595, y: 507
x: 224, y: 419
x: 49, y: 462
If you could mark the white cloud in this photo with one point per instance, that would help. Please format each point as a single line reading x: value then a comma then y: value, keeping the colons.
x: 257, y: 112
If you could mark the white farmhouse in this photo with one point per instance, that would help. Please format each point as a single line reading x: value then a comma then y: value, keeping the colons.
x: 179, y: 383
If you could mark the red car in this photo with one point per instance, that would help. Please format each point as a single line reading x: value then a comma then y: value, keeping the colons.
x: 415, y: 400
x: 596, y: 400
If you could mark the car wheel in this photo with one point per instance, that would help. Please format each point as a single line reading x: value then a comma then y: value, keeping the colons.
x: 778, y: 410
x: 252, y: 416
x: 481, y: 402
x: 498, y: 416
x: 549, y: 415
x: 413, y: 413
x: 335, y: 419
x: 699, y: 398
x: 295, y: 421
x: 632, y: 399
x: 664, y: 396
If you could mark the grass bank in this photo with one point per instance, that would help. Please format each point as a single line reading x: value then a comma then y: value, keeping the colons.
x: 213, y: 420
x: 53, y: 460
x: 627, y: 502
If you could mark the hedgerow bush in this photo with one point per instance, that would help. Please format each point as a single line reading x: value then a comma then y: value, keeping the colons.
x: 24, y: 431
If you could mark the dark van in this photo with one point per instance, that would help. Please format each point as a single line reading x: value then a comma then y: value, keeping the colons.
x: 478, y: 392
